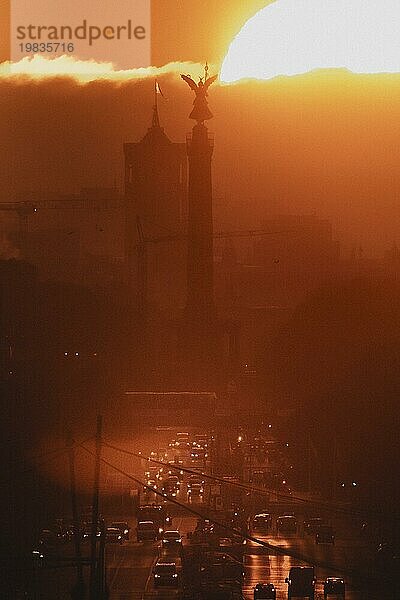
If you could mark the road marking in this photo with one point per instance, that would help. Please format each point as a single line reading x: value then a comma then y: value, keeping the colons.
x: 145, y: 591
x: 116, y: 570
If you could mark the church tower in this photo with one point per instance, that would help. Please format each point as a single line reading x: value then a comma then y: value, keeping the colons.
x: 155, y: 188
x: 155, y: 208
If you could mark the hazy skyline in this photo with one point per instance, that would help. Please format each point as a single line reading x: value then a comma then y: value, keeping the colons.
x: 325, y: 142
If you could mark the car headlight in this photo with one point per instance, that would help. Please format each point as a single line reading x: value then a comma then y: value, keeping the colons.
x: 179, y: 540
x: 126, y: 531
x: 175, y: 575
x: 120, y: 537
x: 156, y: 575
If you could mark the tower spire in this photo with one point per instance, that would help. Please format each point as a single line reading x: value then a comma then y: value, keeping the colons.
x: 155, y: 123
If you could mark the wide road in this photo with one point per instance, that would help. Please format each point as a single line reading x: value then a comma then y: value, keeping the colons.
x: 264, y: 565
x: 130, y: 565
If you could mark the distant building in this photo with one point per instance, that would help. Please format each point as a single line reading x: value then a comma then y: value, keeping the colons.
x: 298, y: 257
x: 259, y: 280
x: 18, y: 297
x: 156, y: 203
x: 74, y: 237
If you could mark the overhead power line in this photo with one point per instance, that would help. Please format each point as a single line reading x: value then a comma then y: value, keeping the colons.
x: 238, y: 532
x: 262, y: 491
x: 47, y: 456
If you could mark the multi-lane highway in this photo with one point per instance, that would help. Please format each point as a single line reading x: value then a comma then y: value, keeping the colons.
x: 268, y: 555
x: 130, y: 566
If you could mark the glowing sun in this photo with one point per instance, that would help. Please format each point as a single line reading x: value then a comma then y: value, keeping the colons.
x: 289, y: 37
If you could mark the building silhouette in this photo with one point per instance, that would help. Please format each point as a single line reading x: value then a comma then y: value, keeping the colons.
x: 155, y: 197
x: 208, y: 342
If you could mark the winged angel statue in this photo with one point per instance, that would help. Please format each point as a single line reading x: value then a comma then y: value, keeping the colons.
x: 200, y: 111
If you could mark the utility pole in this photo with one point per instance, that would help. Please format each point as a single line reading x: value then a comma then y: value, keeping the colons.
x: 78, y: 592
x: 102, y: 570
x: 309, y: 465
x: 95, y: 515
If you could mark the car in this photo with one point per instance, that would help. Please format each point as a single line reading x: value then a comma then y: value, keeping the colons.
x: 170, y: 489
x: 264, y: 591
x: 61, y: 528
x: 286, y: 524
x: 72, y: 531
x: 165, y: 573
x: 114, y: 535
x: 225, y: 542
x: 262, y: 522
x: 151, y: 471
x: 162, y: 454
x: 156, y: 513
x: 200, y: 438
x: 87, y: 531
x: 146, y: 531
x: 198, y: 453
x: 123, y: 527
x: 170, y: 538
x: 311, y: 525
x: 51, y: 537
x: 173, y: 480
x: 325, y: 535
x: 38, y: 557
x: 334, y: 586
x: 192, y: 479
x: 301, y: 583
x: 195, y: 489
x: 152, y: 484
x: 229, y: 545
x: 220, y: 566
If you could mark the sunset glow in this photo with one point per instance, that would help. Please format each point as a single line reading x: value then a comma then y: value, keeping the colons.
x: 290, y: 37
x: 38, y: 67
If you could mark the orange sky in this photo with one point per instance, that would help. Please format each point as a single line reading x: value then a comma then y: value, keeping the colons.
x: 197, y: 30
x: 182, y: 30
x: 324, y: 142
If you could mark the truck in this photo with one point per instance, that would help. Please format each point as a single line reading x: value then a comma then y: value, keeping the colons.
x: 301, y: 583
x: 155, y: 513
